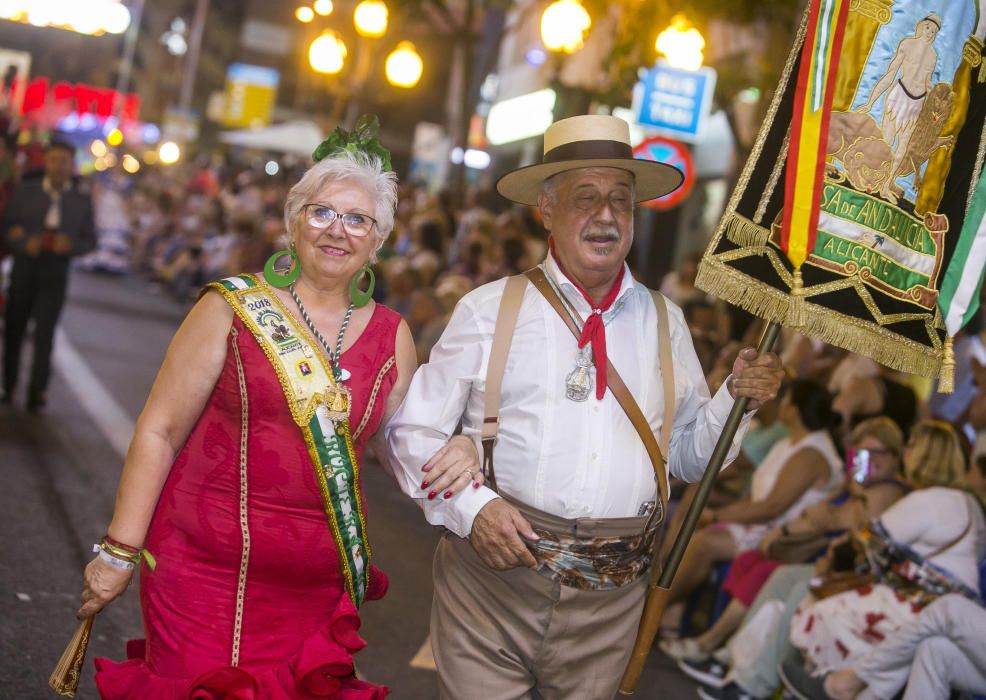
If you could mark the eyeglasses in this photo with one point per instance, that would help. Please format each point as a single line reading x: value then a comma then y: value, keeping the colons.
x: 321, y: 217
x: 589, y: 199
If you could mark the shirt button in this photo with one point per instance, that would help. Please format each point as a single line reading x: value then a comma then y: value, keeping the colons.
x: 595, y: 456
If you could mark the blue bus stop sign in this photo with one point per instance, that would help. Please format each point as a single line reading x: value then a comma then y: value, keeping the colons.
x: 676, y: 102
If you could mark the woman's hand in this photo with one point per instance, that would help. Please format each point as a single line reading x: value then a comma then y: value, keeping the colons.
x: 769, y: 538
x: 452, y: 468
x: 102, y: 584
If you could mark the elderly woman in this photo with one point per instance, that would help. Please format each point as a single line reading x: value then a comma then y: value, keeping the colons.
x: 243, y: 479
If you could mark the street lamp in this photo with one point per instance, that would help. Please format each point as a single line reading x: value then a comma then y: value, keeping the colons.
x: 168, y: 153
x: 563, y: 26
x: 370, y: 18
x: 304, y: 14
x: 681, y: 44
x: 327, y: 54
x: 90, y: 17
x: 404, y: 66
x: 323, y: 7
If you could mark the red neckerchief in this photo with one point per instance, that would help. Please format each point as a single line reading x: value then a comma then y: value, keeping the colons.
x: 594, y: 330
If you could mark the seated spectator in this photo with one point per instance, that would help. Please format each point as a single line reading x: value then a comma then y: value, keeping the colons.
x: 756, y: 651
x: 473, y: 264
x: 401, y: 281
x: 942, y: 650
x: 703, y: 324
x: 872, y: 487
x: 427, y: 253
x: 449, y: 290
x: 679, y: 285
x: 863, y: 389
x: 425, y: 308
x: 799, y: 471
x: 942, y: 526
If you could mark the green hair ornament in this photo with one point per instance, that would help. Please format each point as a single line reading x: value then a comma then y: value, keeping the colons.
x: 362, y: 139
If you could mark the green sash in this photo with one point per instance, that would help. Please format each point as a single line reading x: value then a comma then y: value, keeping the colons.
x: 320, y: 407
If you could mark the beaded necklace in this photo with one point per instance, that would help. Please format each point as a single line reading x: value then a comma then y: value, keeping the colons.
x: 337, y: 371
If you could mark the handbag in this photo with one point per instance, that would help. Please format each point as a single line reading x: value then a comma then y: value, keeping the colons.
x: 838, y: 582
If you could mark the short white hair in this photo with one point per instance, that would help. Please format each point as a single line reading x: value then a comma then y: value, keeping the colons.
x: 365, y: 170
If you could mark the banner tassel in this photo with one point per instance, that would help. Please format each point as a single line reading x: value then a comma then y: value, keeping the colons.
x: 797, y: 315
x: 946, y: 378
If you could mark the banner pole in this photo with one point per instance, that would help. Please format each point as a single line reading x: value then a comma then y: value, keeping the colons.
x: 657, y: 596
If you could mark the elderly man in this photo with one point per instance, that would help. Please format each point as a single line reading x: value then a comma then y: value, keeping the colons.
x: 540, y: 583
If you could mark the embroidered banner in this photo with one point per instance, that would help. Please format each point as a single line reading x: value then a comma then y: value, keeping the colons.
x: 320, y: 407
x: 903, y: 153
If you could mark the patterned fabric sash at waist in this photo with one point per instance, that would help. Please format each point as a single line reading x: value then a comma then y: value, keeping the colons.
x: 594, y: 554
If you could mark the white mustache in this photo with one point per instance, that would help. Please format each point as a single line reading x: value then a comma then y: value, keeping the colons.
x: 610, y: 232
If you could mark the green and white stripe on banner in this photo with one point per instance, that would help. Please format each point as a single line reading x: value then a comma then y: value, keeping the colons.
x: 959, y: 297
x: 825, y: 27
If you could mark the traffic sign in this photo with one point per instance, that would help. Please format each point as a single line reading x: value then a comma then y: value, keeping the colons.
x: 663, y: 150
x: 251, y: 92
x: 676, y: 102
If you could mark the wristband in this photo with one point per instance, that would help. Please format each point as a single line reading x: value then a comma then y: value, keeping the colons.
x: 114, y: 561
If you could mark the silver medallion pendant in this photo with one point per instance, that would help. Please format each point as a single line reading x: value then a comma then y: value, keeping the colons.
x: 578, y: 383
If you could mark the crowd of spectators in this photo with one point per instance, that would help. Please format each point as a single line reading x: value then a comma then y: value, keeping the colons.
x: 181, y: 228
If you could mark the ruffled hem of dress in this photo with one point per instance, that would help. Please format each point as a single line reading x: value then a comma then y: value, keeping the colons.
x: 321, y: 668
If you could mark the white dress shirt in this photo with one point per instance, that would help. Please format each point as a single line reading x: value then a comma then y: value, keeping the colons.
x: 566, y: 458
x: 53, y: 217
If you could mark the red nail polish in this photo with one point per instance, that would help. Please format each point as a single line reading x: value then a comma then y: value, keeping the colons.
x: 448, y: 494
x: 424, y: 484
x: 475, y: 484
x: 431, y: 496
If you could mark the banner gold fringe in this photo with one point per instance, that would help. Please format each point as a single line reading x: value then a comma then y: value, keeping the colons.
x: 946, y: 379
x: 824, y: 324
x: 744, y: 232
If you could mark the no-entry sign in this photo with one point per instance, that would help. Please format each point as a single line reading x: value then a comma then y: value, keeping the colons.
x: 662, y: 150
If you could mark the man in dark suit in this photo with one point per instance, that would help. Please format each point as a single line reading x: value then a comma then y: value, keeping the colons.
x: 47, y: 223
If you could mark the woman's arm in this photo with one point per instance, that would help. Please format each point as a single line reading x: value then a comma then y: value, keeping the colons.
x: 802, y: 469
x: 406, y: 360
x: 184, y: 383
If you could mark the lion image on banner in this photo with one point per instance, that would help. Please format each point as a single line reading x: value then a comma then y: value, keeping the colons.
x: 873, y: 156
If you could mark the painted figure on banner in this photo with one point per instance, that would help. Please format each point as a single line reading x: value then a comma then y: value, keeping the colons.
x: 915, y: 61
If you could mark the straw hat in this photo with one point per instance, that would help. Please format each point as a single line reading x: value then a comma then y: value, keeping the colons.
x: 589, y: 141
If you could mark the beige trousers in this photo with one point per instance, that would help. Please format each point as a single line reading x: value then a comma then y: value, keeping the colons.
x: 513, y: 635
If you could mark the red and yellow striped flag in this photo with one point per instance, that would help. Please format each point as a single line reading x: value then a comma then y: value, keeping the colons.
x: 809, y: 130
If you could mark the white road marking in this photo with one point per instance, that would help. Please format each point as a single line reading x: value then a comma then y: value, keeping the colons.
x: 424, y: 659
x: 110, y: 417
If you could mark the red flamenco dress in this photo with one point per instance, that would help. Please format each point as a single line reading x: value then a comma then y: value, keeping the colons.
x: 253, y: 608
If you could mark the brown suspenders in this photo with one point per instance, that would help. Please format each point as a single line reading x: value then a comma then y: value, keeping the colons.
x: 506, y: 321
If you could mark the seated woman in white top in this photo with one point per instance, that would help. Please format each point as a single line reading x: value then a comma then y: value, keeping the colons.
x: 942, y: 524
x: 799, y: 471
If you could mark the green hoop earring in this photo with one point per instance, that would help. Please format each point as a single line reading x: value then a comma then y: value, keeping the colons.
x: 275, y: 278
x: 356, y: 296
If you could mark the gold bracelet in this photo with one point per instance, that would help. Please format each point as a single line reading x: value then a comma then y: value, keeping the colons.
x: 120, y: 554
